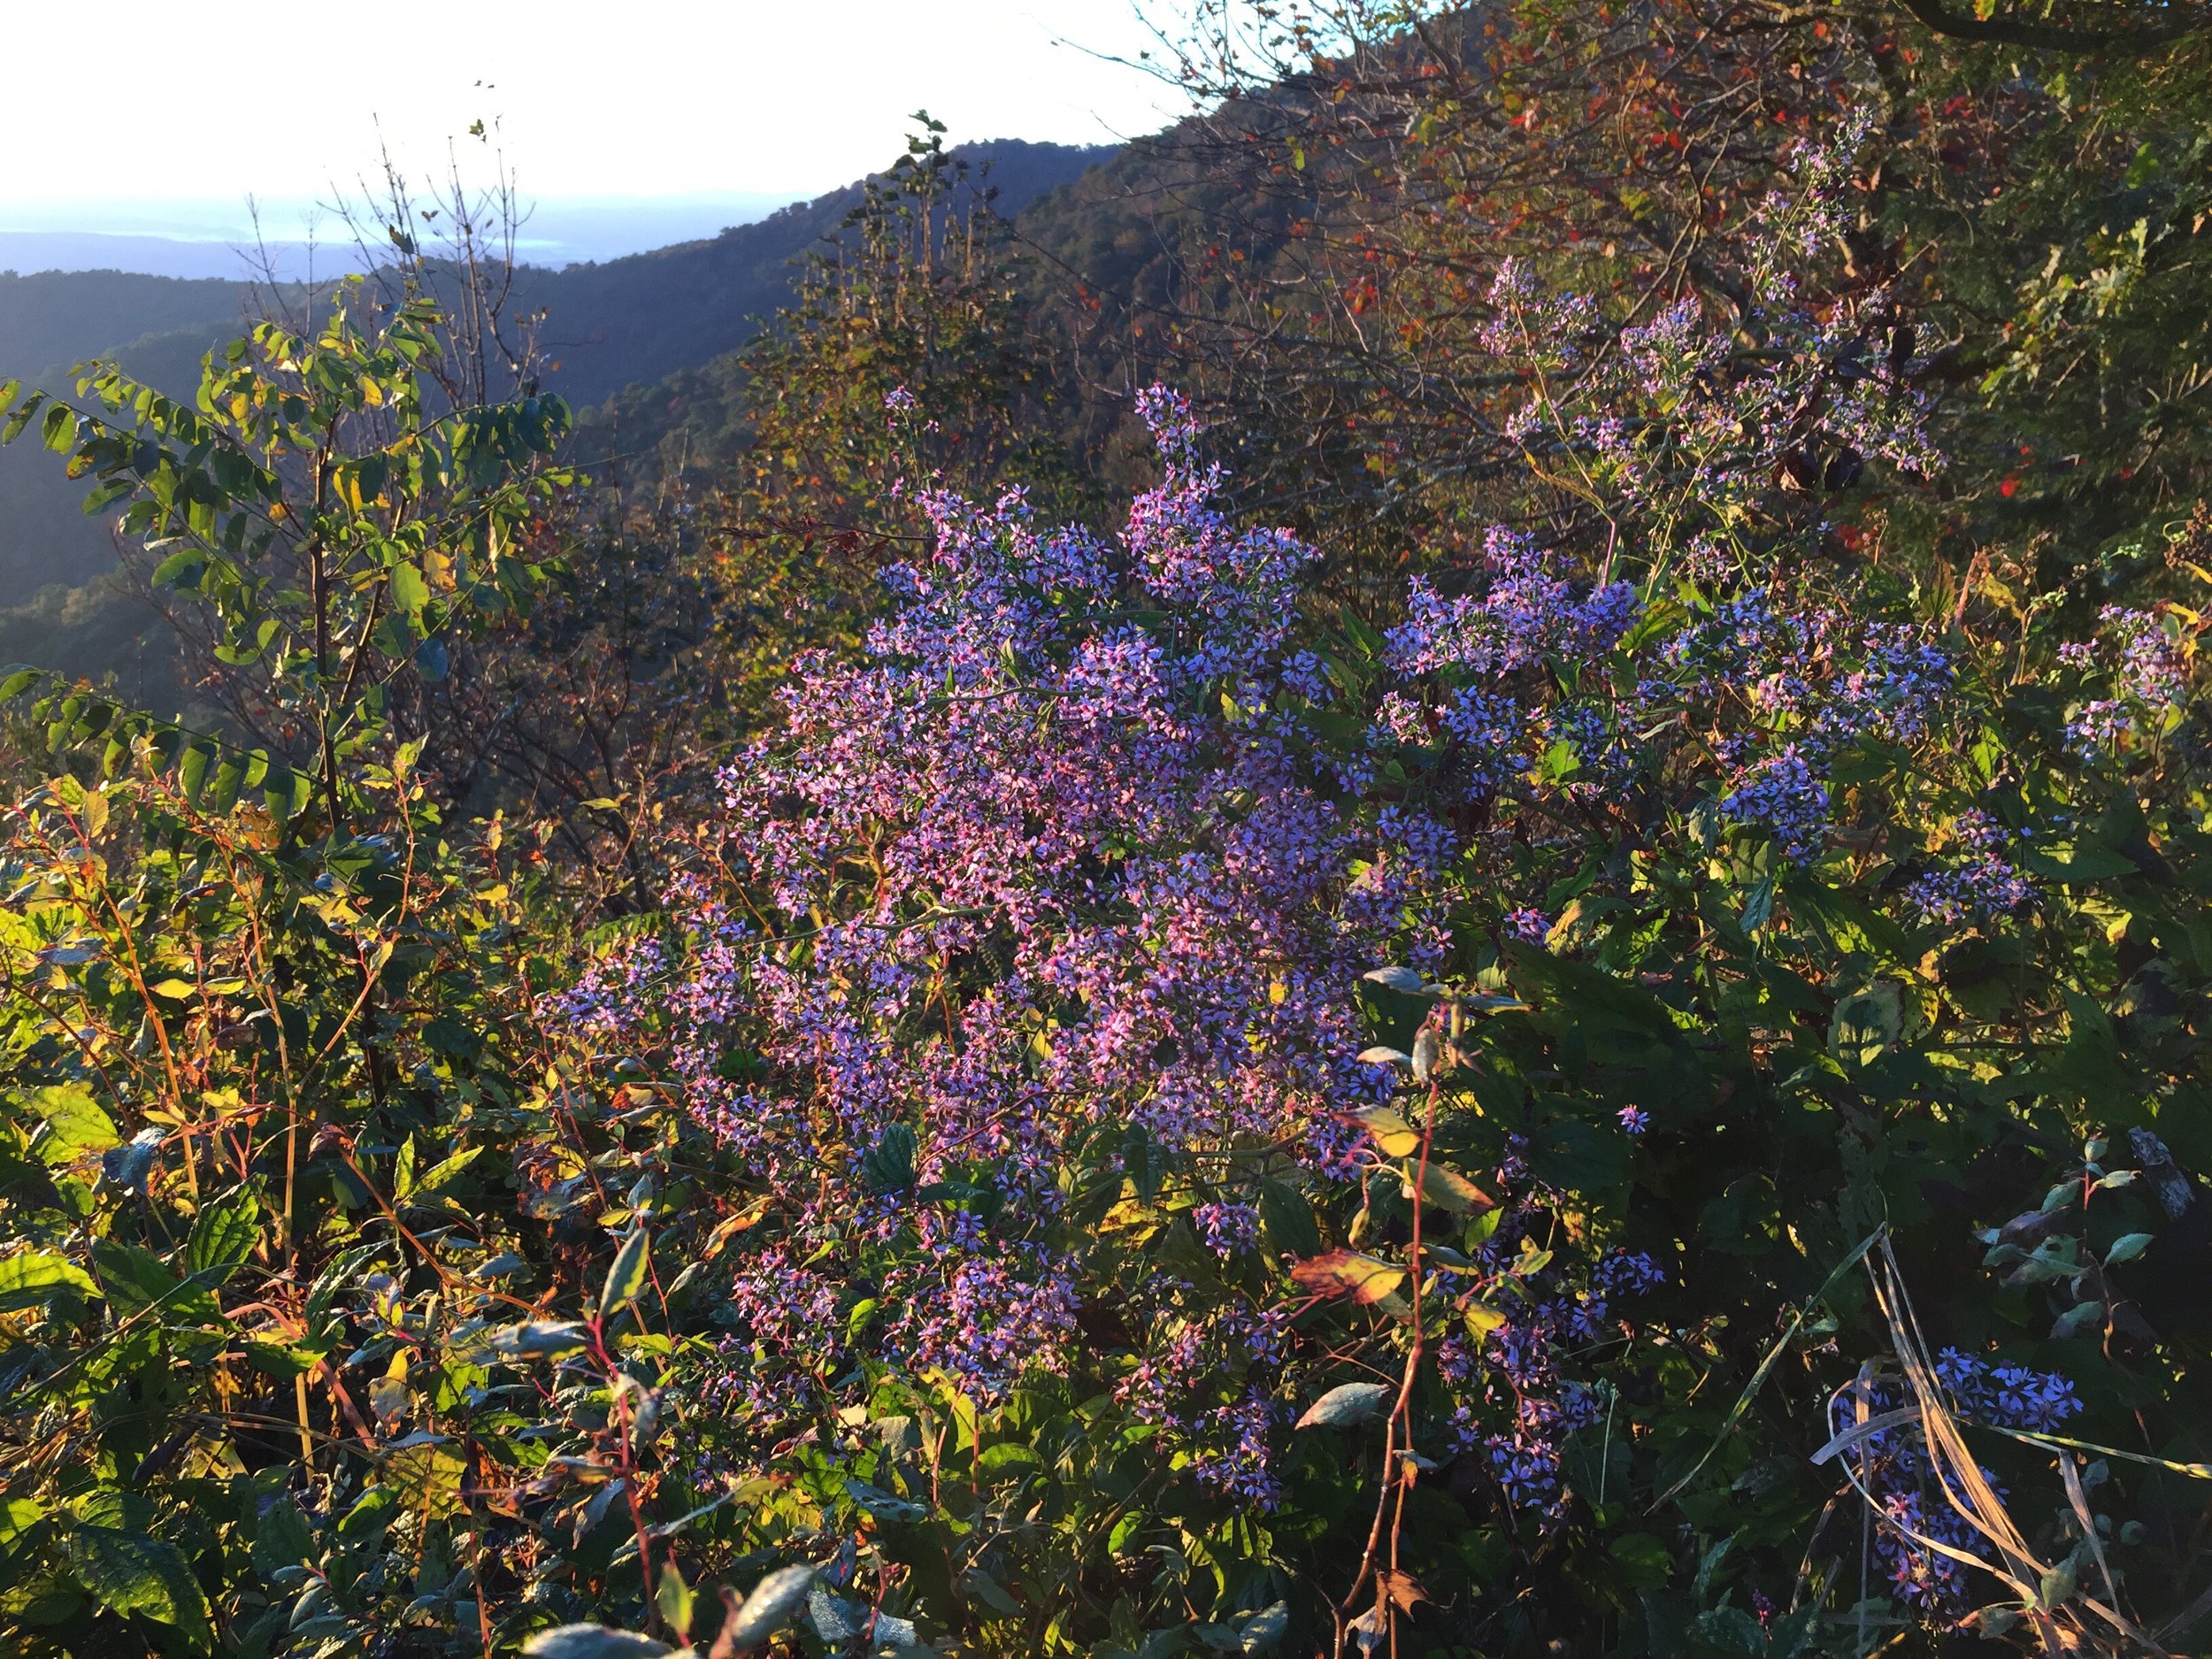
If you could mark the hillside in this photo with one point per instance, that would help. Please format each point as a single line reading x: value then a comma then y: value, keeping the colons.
x: 608, y: 325
x: 632, y: 321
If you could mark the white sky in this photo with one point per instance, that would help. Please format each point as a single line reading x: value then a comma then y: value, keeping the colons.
x: 176, y: 101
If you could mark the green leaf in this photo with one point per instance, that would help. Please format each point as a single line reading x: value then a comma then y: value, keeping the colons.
x: 1347, y: 1404
x: 674, y: 1599
x: 283, y: 1540
x: 539, y: 1340
x: 1288, y: 1221
x: 1646, y: 1562
x: 223, y: 1235
x: 73, y: 1124
x: 889, y: 1165
x: 129, y: 1572
x: 626, y: 1280
x: 279, y: 1360
x: 769, y: 1608
x: 410, y: 592
x: 35, y: 1277
x: 2126, y: 1248
x: 590, y: 1641
x: 135, y: 1279
x: 1263, y: 1631
x: 1867, y: 1024
x: 21, y: 419
x: 19, y: 1515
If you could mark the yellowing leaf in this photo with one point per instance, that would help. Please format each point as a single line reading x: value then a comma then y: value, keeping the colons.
x: 1397, y: 1137
x: 1455, y: 1191
x: 1482, y: 1318
x: 1365, y: 1278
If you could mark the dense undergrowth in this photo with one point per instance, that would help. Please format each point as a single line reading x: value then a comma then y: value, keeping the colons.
x: 1631, y: 1084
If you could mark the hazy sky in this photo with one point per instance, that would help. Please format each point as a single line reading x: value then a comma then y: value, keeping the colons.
x: 151, y: 101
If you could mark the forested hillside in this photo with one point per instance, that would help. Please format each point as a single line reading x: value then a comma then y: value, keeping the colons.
x: 1428, y: 872
x: 606, y: 325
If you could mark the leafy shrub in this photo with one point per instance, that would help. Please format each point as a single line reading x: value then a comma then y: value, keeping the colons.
x: 1154, y: 1118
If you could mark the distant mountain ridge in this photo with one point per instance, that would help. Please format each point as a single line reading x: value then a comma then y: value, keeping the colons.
x: 621, y: 323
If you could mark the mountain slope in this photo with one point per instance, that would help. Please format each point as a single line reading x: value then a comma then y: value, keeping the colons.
x: 632, y: 321
x: 619, y: 324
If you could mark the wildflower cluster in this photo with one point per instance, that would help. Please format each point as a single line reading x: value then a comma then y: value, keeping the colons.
x: 1672, y: 423
x: 1033, y: 871
x: 2148, y: 673
x: 1894, y: 1466
x: 1981, y: 881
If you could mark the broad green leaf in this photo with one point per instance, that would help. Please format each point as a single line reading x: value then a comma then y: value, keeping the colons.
x: 33, y: 1277
x: 73, y: 1124
x: 223, y: 1235
x: 134, y: 1279
x: 19, y: 1515
x: 410, y: 592
x: 283, y: 1539
x: 2126, y: 1248
x: 129, y: 1572
x: 1263, y: 1631
x: 1288, y: 1220
x: 1867, y: 1024
x: 279, y: 1359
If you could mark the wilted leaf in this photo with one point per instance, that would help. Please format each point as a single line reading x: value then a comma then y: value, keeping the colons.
x: 1365, y: 1278
x: 1380, y: 1055
x: 1428, y: 1053
x: 129, y: 1165
x: 1404, y: 1589
x: 1348, y: 1403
